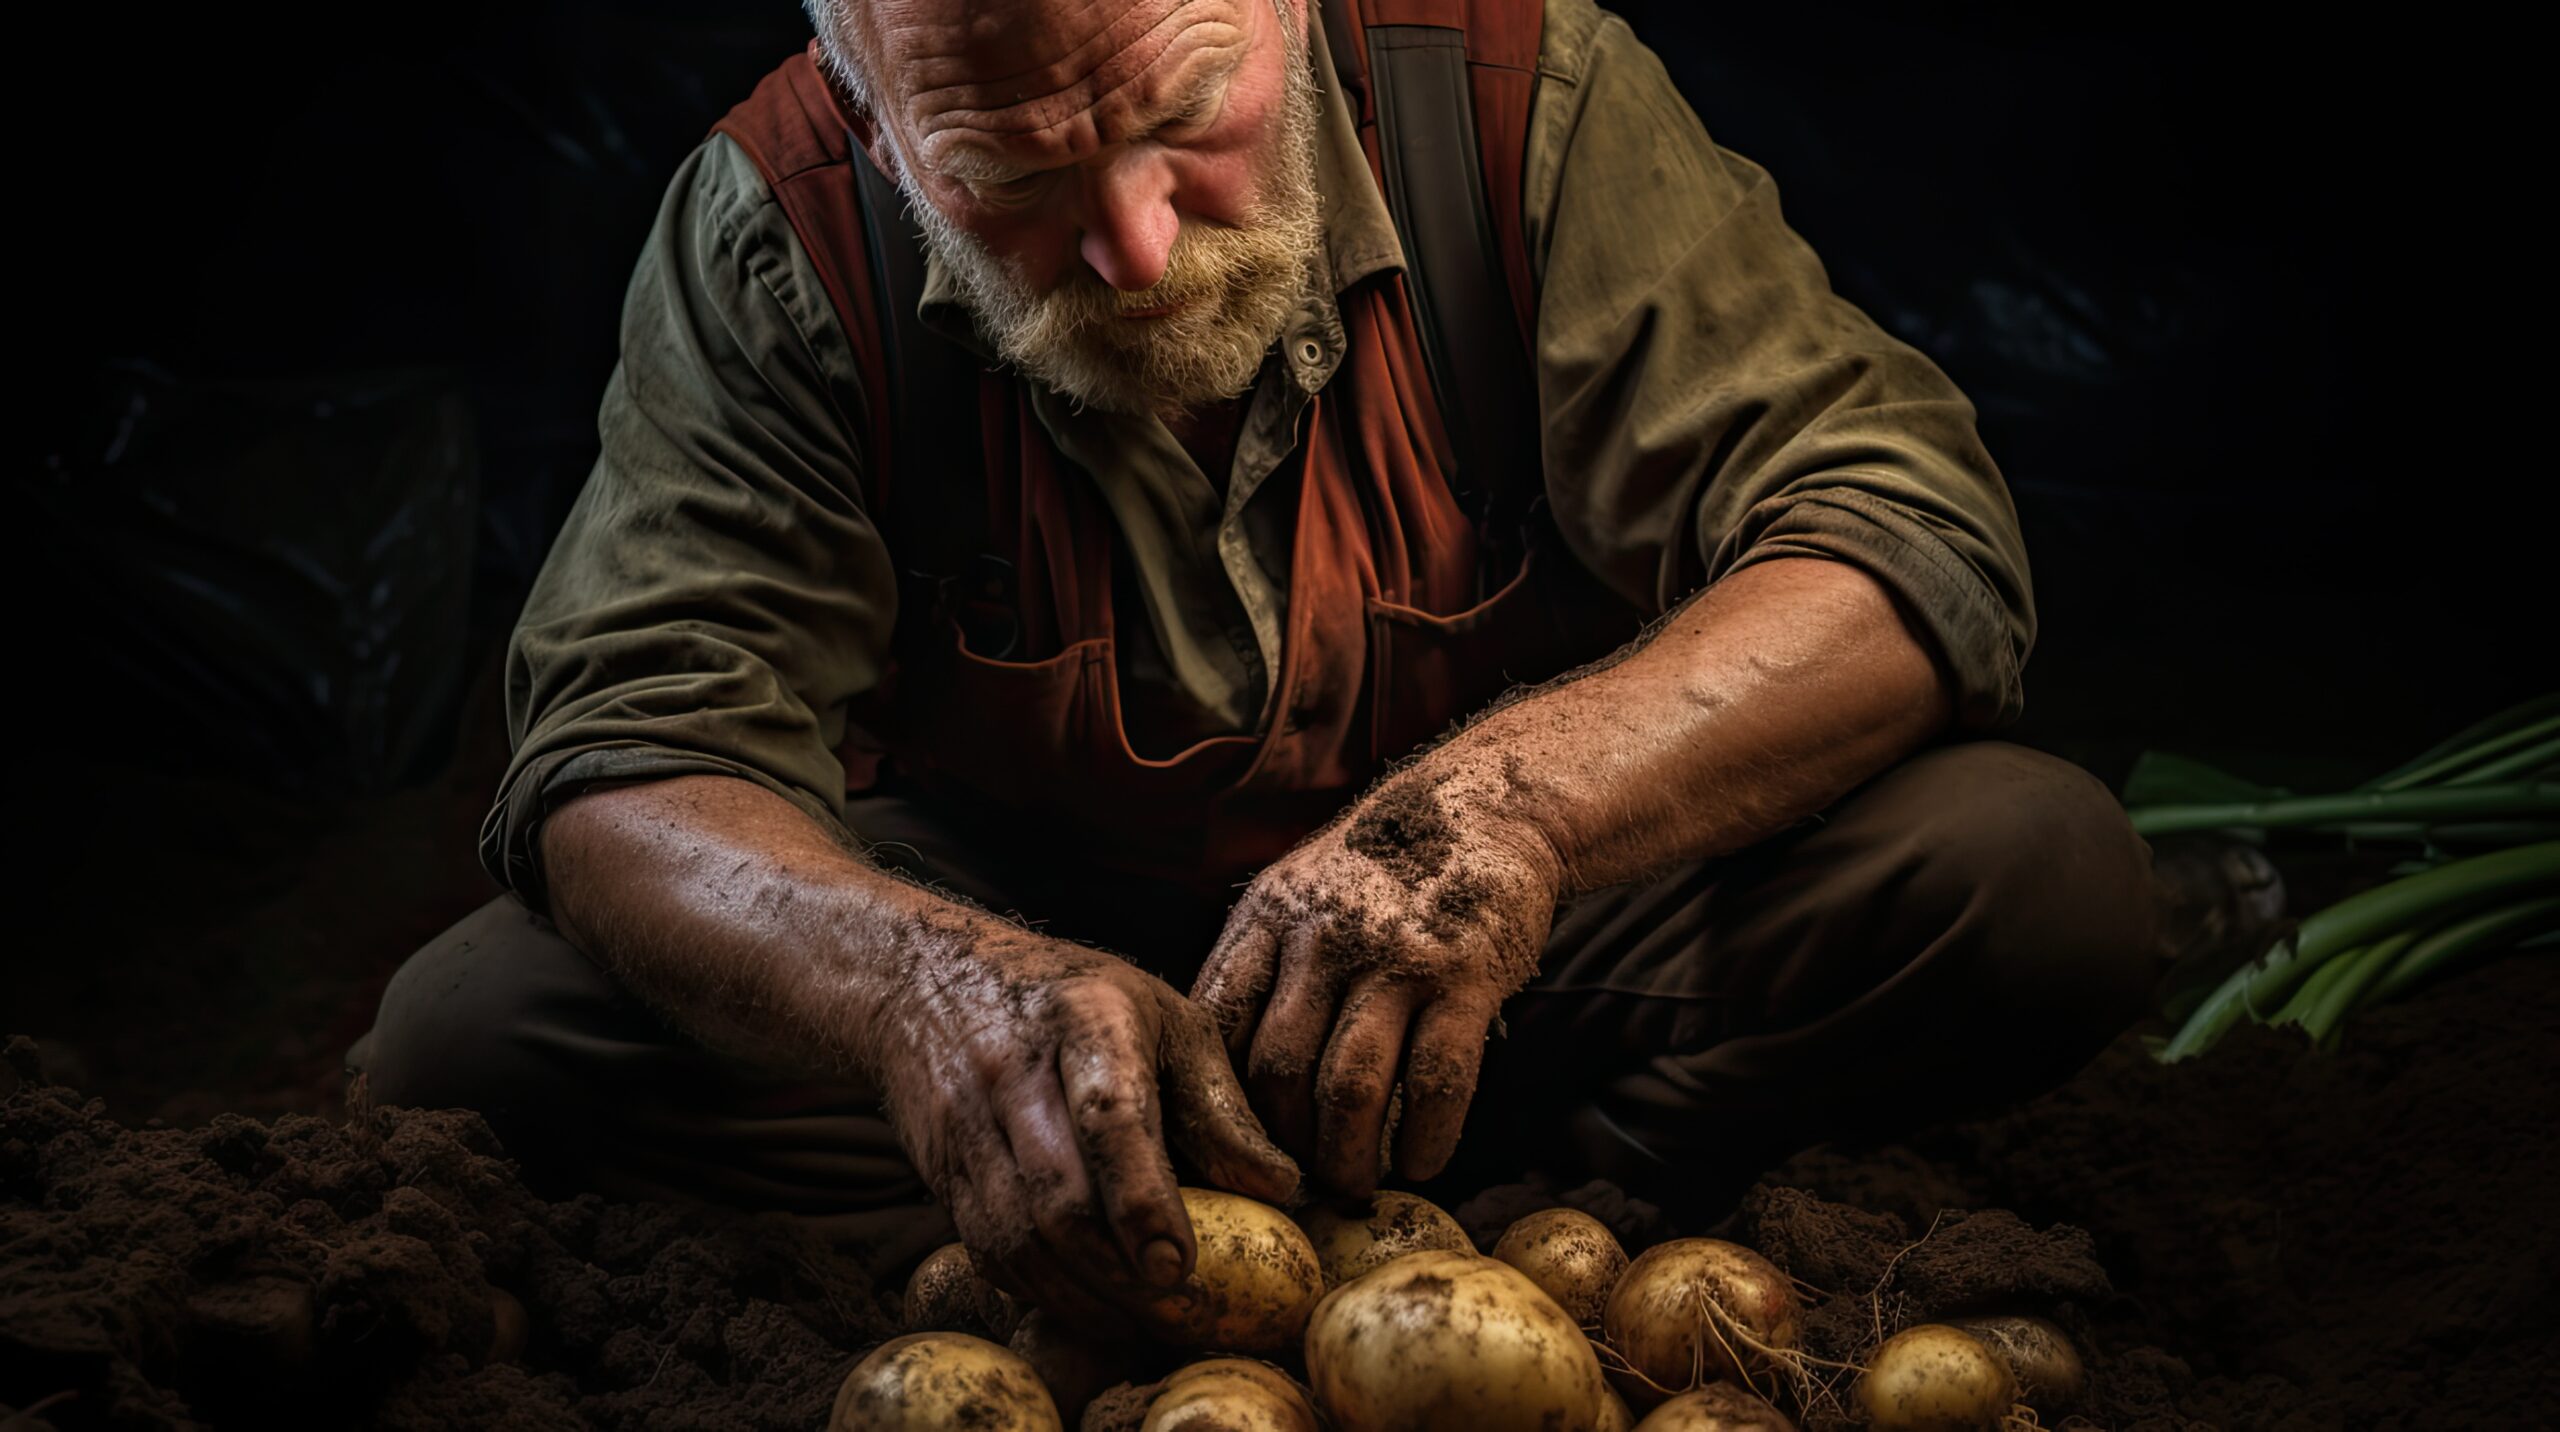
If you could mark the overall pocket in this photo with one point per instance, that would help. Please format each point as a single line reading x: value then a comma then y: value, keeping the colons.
x: 1427, y: 670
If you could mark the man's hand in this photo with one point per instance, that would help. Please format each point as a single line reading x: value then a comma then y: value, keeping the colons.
x: 1023, y: 1075
x: 1379, y: 950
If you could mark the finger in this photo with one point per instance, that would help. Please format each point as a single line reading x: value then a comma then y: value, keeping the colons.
x: 1006, y: 1240
x: 1109, y: 1075
x: 1280, y: 1070
x: 1440, y: 1082
x: 1050, y: 1162
x: 1353, y: 1085
x: 1237, y: 976
x: 1207, y: 1117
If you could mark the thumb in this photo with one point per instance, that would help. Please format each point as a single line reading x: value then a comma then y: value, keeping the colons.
x: 1206, y: 1116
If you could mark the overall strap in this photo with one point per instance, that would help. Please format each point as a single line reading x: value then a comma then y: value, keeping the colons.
x: 1447, y: 86
x: 928, y: 478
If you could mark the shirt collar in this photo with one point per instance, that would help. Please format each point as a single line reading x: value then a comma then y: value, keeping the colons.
x: 1359, y: 234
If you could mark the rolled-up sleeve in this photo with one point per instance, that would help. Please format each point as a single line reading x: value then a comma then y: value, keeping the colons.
x: 718, y: 595
x: 1710, y: 402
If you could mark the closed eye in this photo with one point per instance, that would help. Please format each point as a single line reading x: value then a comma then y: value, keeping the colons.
x: 1020, y: 189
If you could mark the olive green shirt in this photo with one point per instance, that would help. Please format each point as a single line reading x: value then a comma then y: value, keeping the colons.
x: 719, y: 595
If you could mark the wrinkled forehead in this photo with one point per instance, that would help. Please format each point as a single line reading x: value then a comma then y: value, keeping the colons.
x: 1050, y: 75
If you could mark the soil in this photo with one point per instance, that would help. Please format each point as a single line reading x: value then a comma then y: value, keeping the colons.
x: 2265, y: 1238
x: 309, y: 1273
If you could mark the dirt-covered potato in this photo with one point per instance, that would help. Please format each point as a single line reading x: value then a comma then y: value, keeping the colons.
x: 946, y: 1293
x: 1716, y: 1407
x: 1698, y: 1310
x: 1570, y: 1255
x: 927, y: 1382
x: 1074, y: 1366
x: 1230, y: 1394
x: 1254, y: 1283
x: 1351, y: 1241
x: 1934, y: 1378
x: 1454, y: 1341
x: 2040, y: 1356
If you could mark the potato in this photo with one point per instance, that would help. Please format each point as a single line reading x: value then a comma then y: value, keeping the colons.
x: 1716, y: 1407
x: 1251, y: 1287
x: 1689, y: 1312
x: 1934, y: 1378
x: 1351, y: 1243
x: 1570, y: 1255
x: 2040, y: 1356
x: 946, y: 1293
x: 1448, y: 1340
x: 1073, y: 1365
x: 1230, y: 1394
x: 925, y: 1382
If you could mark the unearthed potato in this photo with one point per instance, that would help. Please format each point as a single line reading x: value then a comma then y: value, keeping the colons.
x: 1570, y: 1255
x: 1695, y: 1310
x: 1075, y: 1368
x: 1350, y: 1244
x: 1252, y: 1286
x: 926, y: 1382
x: 1230, y: 1394
x: 946, y: 1294
x: 2040, y: 1356
x: 1934, y: 1378
x: 1716, y: 1407
x: 1452, y: 1341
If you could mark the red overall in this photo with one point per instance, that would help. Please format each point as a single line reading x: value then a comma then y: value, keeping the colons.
x: 1386, y: 641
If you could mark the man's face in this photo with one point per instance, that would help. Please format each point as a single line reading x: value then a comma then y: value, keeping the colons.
x: 1124, y: 190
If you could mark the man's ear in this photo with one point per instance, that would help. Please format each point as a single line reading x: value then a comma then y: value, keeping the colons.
x: 858, y: 122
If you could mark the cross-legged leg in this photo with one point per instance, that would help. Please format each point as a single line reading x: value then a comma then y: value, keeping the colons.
x: 1969, y: 927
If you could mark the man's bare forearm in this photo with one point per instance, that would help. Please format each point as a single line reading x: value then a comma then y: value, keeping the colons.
x: 1772, y: 695
x: 729, y: 910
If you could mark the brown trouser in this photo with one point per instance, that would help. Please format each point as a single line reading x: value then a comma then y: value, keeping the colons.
x: 1966, y: 928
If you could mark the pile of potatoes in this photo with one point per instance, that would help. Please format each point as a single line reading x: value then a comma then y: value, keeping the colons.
x: 1399, y: 1325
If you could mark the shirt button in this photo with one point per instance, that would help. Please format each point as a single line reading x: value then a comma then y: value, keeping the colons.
x: 1309, y: 352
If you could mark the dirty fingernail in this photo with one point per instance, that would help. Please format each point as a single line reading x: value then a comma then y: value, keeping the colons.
x: 1161, y: 1262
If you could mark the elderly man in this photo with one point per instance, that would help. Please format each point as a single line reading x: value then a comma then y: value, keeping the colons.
x: 898, y: 738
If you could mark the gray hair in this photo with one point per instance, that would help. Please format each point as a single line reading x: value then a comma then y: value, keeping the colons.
x: 837, y: 39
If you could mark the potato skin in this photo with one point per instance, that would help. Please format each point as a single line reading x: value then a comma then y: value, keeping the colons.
x: 1350, y: 1243
x: 925, y: 1382
x: 1074, y: 1366
x: 1252, y: 1287
x: 1442, y: 1340
x: 1230, y: 1394
x: 946, y: 1293
x: 2050, y: 1373
x: 1570, y: 1255
x: 1658, y: 1321
x: 1716, y: 1407
x: 1934, y: 1378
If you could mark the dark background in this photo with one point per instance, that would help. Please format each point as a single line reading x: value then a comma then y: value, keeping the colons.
x: 322, y: 300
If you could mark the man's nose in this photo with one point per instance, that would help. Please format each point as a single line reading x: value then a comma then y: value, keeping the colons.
x: 1128, y: 221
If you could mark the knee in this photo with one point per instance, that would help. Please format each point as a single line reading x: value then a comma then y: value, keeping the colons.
x: 2041, y: 859
x: 462, y: 1023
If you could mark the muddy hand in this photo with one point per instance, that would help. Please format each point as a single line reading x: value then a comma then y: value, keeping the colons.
x: 1376, y: 954
x: 1035, y: 1087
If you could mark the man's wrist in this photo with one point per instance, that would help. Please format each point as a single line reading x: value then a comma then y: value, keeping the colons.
x: 1489, y: 791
